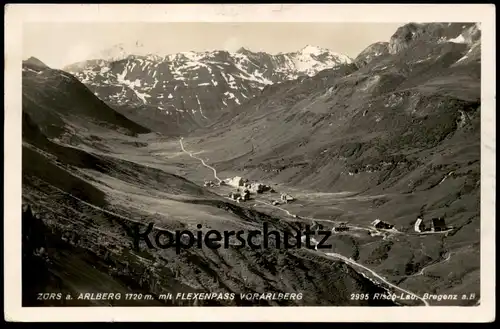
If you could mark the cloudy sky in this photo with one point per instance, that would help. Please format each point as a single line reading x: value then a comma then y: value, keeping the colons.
x: 60, y: 44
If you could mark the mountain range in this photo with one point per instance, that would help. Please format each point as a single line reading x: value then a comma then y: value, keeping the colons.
x: 393, y: 134
x: 179, y: 92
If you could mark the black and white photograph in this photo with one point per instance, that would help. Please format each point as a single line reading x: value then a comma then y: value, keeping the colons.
x: 252, y: 164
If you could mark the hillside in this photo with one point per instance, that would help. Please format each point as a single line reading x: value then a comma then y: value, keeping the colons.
x: 52, y: 97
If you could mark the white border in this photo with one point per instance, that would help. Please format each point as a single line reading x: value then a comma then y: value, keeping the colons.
x: 16, y: 15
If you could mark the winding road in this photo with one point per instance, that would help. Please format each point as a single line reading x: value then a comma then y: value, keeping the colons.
x: 421, y: 272
x: 316, y: 220
x: 332, y: 254
x: 199, y: 159
x: 349, y: 261
x: 271, y: 205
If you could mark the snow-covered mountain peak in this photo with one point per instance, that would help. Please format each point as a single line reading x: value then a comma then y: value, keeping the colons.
x: 121, y: 51
x: 313, y: 50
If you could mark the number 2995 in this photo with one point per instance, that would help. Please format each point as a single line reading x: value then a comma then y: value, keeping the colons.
x: 360, y: 296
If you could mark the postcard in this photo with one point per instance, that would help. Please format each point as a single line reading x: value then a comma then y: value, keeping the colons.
x: 226, y: 162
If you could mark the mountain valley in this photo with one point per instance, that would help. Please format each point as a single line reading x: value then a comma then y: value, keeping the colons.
x: 393, y: 134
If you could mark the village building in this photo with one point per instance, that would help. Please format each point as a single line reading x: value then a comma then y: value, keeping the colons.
x: 235, y: 181
x: 438, y: 224
x: 341, y: 228
x: 246, y: 195
x: 378, y: 224
x: 257, y: 187
x: 210, y: 183
x: 234, y: 195
x: 419, y: 225
x: 287, y: 198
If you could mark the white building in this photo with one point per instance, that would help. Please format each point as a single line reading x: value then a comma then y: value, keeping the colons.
x: 235, y: 182
x: 287, y: 198
x: 419, y: 225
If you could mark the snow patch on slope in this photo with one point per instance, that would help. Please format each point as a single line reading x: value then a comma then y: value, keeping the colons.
x: 131, y: 85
